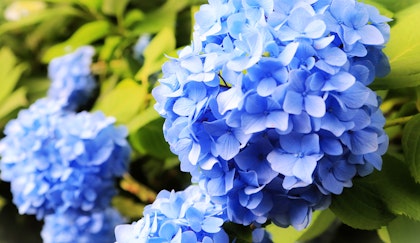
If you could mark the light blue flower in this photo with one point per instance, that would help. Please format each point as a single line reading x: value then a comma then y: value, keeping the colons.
x: 296, y: 159
x: 81, y: 227
x: 59, y: 161
x: 184, y: 216
x: 72, y: 82
x: 260, y: 235
x: 268, y: 95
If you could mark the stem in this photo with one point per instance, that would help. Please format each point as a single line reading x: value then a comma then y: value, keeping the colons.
x: 144, y: 193
x: 397, y: 121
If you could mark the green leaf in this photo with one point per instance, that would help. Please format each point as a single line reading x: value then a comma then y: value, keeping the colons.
x: 108, y: 49
x: 149, y: 140
x: 133, y: 17
x: 403, y: 51
x: 10, y: 72
x: 86, y: 34
x: 321, y: 220
x: 45, y: 15
x: 361, y: 207
x: 411, y: 146
x: 320, y: 223
x: 114, y: 7
x: 16, y: 100
x: 36, y: 86
x: 142, y: 118
x: 160, y: 45
x: 396, y: 188
x: 123, y: 102
x: 374, y: 200
x: 128, y: 207
x: 163, y: 17
x: 383, y: 9
x: 404, y: 230
x: 383, y: 235
x: 394, y: 5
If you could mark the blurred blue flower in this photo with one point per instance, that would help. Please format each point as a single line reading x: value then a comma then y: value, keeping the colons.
x: 260, y: 235
x: 59, y: 161
x: 184, y: 216
x: 72, y: 80
x: 81, y: 227
x: 269, y: 108
x: 140, y: 46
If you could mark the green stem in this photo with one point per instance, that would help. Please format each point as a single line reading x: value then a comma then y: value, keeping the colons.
x: 397, y: 121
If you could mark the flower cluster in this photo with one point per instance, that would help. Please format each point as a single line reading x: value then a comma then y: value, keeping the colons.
x: 58, y: 161
x: 62, y: 165
x: 72, y: 81
x: 185, y: 216
x: 81, y: 227
x: 269, y: 108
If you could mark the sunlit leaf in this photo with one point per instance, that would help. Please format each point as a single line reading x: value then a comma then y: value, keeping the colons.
x: 132, y: 17
x: 383, y: 9
x: 114, y: 7
x: 16, y: 100
x: 10, y: 72
x: 383, y: 234
x: 44, y: 15
x: 411, y: 146
x: 321, y: 220
x: 394, y: 5
x: 403, y: 230
x: 123, y: 102
x: 142, y: 118
x: 109, y: 47
x: 160, y: 45
x: 403, y: 51
x: 128, y: 207
x: 162, y: 17
x: 85, y: 35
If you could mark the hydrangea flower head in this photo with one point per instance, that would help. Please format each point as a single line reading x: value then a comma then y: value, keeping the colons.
x: 184, y: 216
x: 81, y: 227
x: 59, y: 161
x: 72, y: 81
x: 269, y: 108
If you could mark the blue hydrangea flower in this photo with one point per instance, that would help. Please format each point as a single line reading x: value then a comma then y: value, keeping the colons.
x: 81, y: 227
x: 269, y: 108
x: 184, y: 216
x: 260, y: 235
x: 59, y: 161
x: 140, y: 46
x: 72, y: 80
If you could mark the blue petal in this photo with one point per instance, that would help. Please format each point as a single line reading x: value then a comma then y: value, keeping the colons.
x: 229, y: 99
x: 281, y: 162
x: 212, y: 224
x: 370, y: 35
x: 304, y: 168
x: 184, y: 106
x: 293, y: 103
x: 252, y: 123
x: 340, y: 82
x: 288, y: 53
x: 344, y: 171
x: 315, y: 106
x: 266, y: 86
x: 227, y: 146
x: 315, y: 29
x: 278, y: 119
